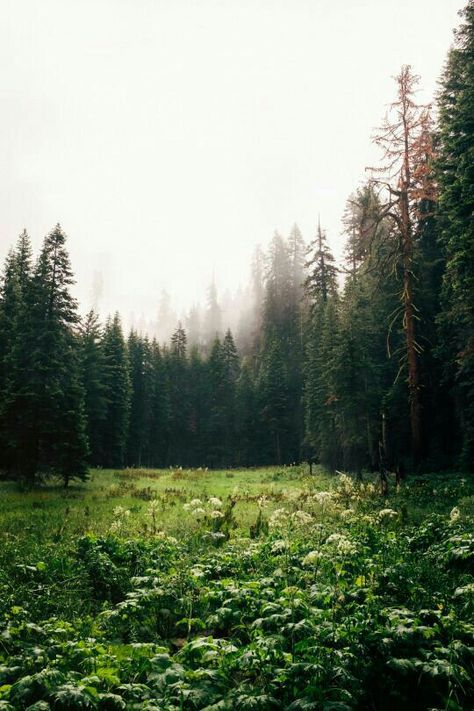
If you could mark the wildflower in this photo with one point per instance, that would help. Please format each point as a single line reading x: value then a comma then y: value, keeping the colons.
x: 198, y: 511
x: 346, y: 513
x: 153, y: 506
x: 195, y: 503
x: 197, y: 571
x: 217, y: 514
x: 323, y: 497
x: 386, y: 514
x: 342, y: 544
x: 278, y: 517
x: 302, y: 517
x: 214, y: 501
x: 121, y: 512
x: 454, y: 515
x: 311, y: 558
x: 279, y: 546
x: 187, y: 507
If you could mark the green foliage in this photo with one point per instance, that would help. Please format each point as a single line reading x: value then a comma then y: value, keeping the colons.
x: 337, y: 602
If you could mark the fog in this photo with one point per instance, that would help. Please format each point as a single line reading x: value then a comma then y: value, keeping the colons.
x: 170, y: 137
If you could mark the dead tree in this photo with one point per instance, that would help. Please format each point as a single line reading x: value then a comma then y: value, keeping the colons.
x: 405, y: 180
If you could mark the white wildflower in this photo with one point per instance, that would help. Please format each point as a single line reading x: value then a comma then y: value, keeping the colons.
x: 217, y: 514
x: 454, y: 515
x: 342, y: 544
x: 279, y: 546
x: 311, y: 558
x: 322, y: 497
x: 121, y: 512
x: 195, y: 503
x: 198, y: 511
x: 302, y: 517
x: 187, y: 507
x: 386, y: 514
x: 278, y: 517
x: 214, y: 501
x: 346, y: 513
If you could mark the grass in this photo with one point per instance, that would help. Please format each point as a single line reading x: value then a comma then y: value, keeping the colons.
x: 244, y: 589
x: 52, y: 512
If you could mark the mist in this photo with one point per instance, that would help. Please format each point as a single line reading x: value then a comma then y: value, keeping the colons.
x: 168, y: 139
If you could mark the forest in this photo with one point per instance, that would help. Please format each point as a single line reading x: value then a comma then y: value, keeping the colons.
x: 272, y: 508
x: 348, y: 365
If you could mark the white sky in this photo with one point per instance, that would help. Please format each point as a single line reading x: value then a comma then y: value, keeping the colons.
x: 170, y: 136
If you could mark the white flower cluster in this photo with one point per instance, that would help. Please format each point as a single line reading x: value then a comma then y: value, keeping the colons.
x: 283, y: 518
x: 311, y: 558
x: 121, y: 514
x: 279, y: 546
x: 322, y: 498
x: 387, y: 514
x: 454, y: 515
x: 198, y: 508
x: 342, y: 544
x: 278, y: 518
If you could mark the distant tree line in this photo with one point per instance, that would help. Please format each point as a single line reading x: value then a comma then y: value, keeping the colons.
x: 370, y: 361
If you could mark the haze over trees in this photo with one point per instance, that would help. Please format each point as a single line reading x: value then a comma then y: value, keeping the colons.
x: 348, y: 364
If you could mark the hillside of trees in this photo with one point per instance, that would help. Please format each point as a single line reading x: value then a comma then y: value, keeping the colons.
x: 351, y: 365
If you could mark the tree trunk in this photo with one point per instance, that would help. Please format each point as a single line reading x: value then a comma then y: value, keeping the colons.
x: 409, y: 325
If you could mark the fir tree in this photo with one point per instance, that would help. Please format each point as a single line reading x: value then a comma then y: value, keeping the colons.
x: 456, y: 178
x: 94, y: 377
x: 117, y: 383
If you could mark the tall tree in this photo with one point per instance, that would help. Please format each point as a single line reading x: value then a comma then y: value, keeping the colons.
x: 179, y: 421
x: 117, y: 393
x: 407, y: 178
x: 94, y: 379
x: 52, y: 434
x: 456, y: 177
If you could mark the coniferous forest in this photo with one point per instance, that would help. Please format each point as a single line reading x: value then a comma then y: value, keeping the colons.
x: 268, y: 503
x: 349, y: 365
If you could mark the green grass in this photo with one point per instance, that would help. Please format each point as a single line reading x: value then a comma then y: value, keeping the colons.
x: 51, y: 511
x: 290, y: 592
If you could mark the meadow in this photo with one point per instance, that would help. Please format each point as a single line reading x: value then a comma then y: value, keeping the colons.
x: 243, y: 589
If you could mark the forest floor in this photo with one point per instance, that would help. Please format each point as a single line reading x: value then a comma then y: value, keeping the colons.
x: 243, y: 589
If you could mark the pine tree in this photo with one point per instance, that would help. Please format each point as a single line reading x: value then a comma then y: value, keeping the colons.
x: 139, y: 359
x: 159, y: 409
x: 273, y: 399
x: 319, y: 395
x: 321, y: 282
x: 213, y: 315
x: 117, y: 383
x: 51, y: 438
x: 248, y: 424
x: 15, y: 346
x: 456, y: 178
x: 93, y: 375
x: 179, y: 421
x: 405, y: 139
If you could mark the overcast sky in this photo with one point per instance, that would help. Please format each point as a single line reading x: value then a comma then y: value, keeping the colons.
x: 168, y: 137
